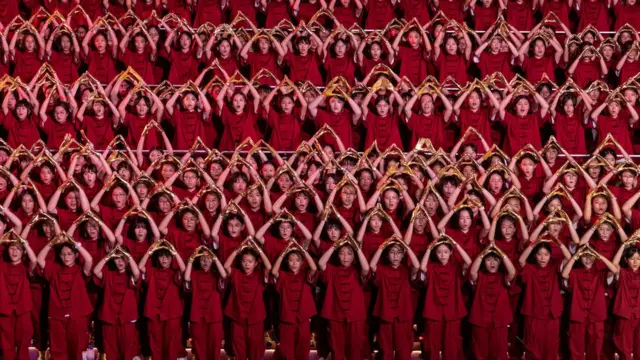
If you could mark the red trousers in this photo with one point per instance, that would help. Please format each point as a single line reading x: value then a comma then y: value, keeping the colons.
x: 39, y: 326
x: 207, y: 339
x: 120, y: 340
x: 541, y: 338
x: 490, y: 342
x: 586, y: 337
x: 395, y: 336
x: 15, y: 336
x: 346, y: 339
x: 295, y: 341
x: 248, y: 340
x: 165, y: 338
x: 443, y: 336
x: 69, y: 337
x: 626, y: 337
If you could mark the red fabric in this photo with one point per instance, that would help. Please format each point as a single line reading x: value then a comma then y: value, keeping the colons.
x: 285, y: 130
x: 452, y: 9
x: 238, y: 127
x: 187, y: 127
x: 490, y: 63
x: 164, y: 338
x: 626, y: 14
x: 340, y: 123
x: 397, y: 336
x: 627, y: 337
x: 207, y: 339
x: 344, y: 298
x: 534, y: 68
x: 595, y: 13
x: 27, y: 64
x: 209, y: 11
x: 344, y: 66
x: 586, y: 339
x: 618, y: 127
x: 443, y: 299
x: 15, y: 297
x: 15, y: 335
x: 379, y: 14
x: 141, y: 63
x: 304, y: 68
x: 135, y: 125
x: 184, y: 66
x: 99, y: 131
x: 628, y: 70
x: 120, y: 340
x: 417, y: 9
x: 248, y: 340
x: 520, y: 15
x: 541, y: 338
x: 56, y: 131
x: 570, y: 132
x: 206, y: 302
x: 452, y: 65
x: 101, y: 66
x: 384, y: 130
x: 294, y: 340
x: 269, y: 61
x: 296, y: 297
x: 480, y: 121
x: 490, y: 342
x: 163, y: 302
x: 469, y: 241
x: 542, y: 299
x: 245, y: 305
x: 277, y: 10
x: 586, y: 73
x: 489, y: 302
x: 587, y: 290
x: 68, y: 295
x: 228, y: 64
x: 442, y: 336
x: 522, y: 131
x: 346, y: 339
x: 427, y: 126
x: 393, y: 302
x: 484, y: 17
x: 626, y: 304
x: 21, y: 132
x: 65, y: 65
x: 8, y: 10
x: 69, y: 337
x: 119, y: 305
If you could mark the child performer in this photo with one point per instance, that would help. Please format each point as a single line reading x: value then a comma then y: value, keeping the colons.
x: 16, y: 327
x: 294, y: 284
x: 245, y: 306
x: 626, y: 306
x: 119, y: 308
x: 69, y: 305
x: 588, y: 310
x: 488, y: 317
x: 344, y: 301
x: 393, y: 305
x: 444, y: 307
x: 163, y: 305
x: 542, y: 302
x: 206, y: 285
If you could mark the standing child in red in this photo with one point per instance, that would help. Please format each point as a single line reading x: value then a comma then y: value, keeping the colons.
x: 69, y: 305
x: 294, y: 285
x: 119, y: 307
x: 488, y: 318
x: 206, y: 286
x: 626, y: 306
x: 344, y: 301
x: 163, y: 305
x: 393, y: 304
x: 588, y: 306
x: 542, y: 302
x: 16, y: 328
x: 245, y: 306
x: 444, y: 307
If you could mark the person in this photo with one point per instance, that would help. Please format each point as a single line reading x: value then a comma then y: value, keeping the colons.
x: 294, y: 273
x: 163, y: 304
x: 393, y: 277
x: 206, y: 284
x: 489, y: 322
x: 16, y: 305
x: 344, y: 278
x: 625, y: 305
x: 247, y: 269
x: 118, y: 311
x: 69, y: 305
x: 443, y: 304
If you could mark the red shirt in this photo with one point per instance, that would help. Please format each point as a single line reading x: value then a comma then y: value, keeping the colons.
x: 101, y: 66
x: 205, y: 301
x: 394, y: 293
x: 56, y: 132
x: 269, y: 61
x: 119, y: 304
x: 626, y: 304
x: 99, y: 131
x: 427, y: 126
x: 135, y: 126
x: 187, y: 126
x: 626, y: 14
x: 344, y: 299
x: 534, y: 68
x: 587, y: 294
x: 27, y: 64
x: 285, y: 130
x: 296, y: 297
x: 490, y: 301
x: 184, y: 66
x: 569, y: 132
x: 452, y: 9
x: 596, y: 13
x: 379, y: 14
x: 520, y: 15
x: 413, y: 63
x: 618, y: 127
x: 340, y: 123
x: 209, y: 11
x: 542, y: 299
x: 490, y: 63
x: 484, y: 16
x: 245, y: 304
x: 68, y: 295
x: 184, y: 241
x: 141, y: 63
x: 587, y: 72
x: 344, y: 66
x: 480, y: 121
x: 23, y: 132
x: 238, y: 127
x: 629, y: 70
x: 304, y: 68
x: 15, y: 297
x: 277, y: 10
x: 65, y: 65
x: 384, y: 130
x: 163, y: 299
x: 443, y: 299
x: 522, y: 131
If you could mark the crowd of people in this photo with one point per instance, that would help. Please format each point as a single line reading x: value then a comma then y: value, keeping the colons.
x: 459, y: 175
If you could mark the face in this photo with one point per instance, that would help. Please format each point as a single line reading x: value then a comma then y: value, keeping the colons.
x: 614, y: 109
x: 190, y: 179
x: 303, y: 47
x: 515, y: 204
x: 302, y: 201
x: 431, y: 204
x: 508, y: 229
x: 65, y: 44
x: 71, y: 200
x: 119, y: 197
x: 599, y: 205
x: 164, y: 204
x: 29, y: 43
x: 495, y: 45
x: 495, y: 183
x: 522, y: 107
x: 376, y: 51
x: 100, y: 42
x: 634, y: 261
x: 154, y: 34
x: 527, y: 166
x: 390, y: 199
x: 284, y: 182
x: 294, y: 261
x: 22, y: 112
x: 286, y: 105
x: 165, y: 261
x: 395, y: 255
x: 15, y: 253
x: 383, y: 108
x: 234, y: 227
x: 448, y: 189
x: 542, y: 257
x: 286, y: 230
x: 189, y: 221
x: 375, y: 224
x: 628, y: 179
x: 92, y: 229
x: 604, y: 231
x: 348, y: 195
x: 46, y: 175
x: 345, y: 255
x: 185, y: 41
x: 607, y: 51
x: 141, y: 232
x: 443, y: 254
x: 140, y: 43
x: 67, y: 256
x: 594, y: 172
x: 630, y: 96
x: 570, y: 180
x: 141, y: 108
x: 212, y: 203
x: 189, y: 102
x: 340, y: 48
x: 27, y: 204
x: 414, y: 39
x: 121, y: 265
x: 451, y: 46
x: 336, y: 105
x: 98, y: 109
x: 464, y: 220
x: 539, y: 48
x: 491, y: 264
x: 473, y: 100
x: 248, y: 263
x: 238, y: 102
x: 426, y: 104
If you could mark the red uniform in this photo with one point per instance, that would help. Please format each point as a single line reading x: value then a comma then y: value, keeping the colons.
x: 480, y: 121
x: 238, y: 127
x: 142, y: 63
x: 542, y: 308
x: 101, y: 65
x: 626, y: 308
x: 534, y: 68
x: 484, y: 16
x: 65, y: 65
x: 488, y: 317
x: 586, y: 73
x: 522, y: 131
x: 187, y: 126
x: 344, y: 309
x: 245, y: 307
x: 99, y: 131
x: 626, y: 14
x: 340, y: 123
x: 595, y: 13
x: 569, y: 132
x: 384, y: 130
x: 304, y: 68
x: 269, y: 61
x: 394, y: 309
x: 277, y: 10
x: 56, y: 132
x: 379, y: 14
x: 520, y: 15
x: 135, y: 125
x: 452, y: 9
x: 21, y: 132
x: 344, y: 66
x: 490, y: 63
x: 443, y: 310
x: 27, y: 64
x: 119, y: 313
x: 15, y: 311
x: 163, y: 308
x: 285, y: 130
x: 628, y: 70
x: 184, y: 66
x: 69, y: 310
x: 296, y: 309
x: 209, y: 11
x: 427, y: 126
x: 588, y: 311
x: 618, y: 127
x: 184, y: 241
x: 454, y: 66
x: 206, y: 313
